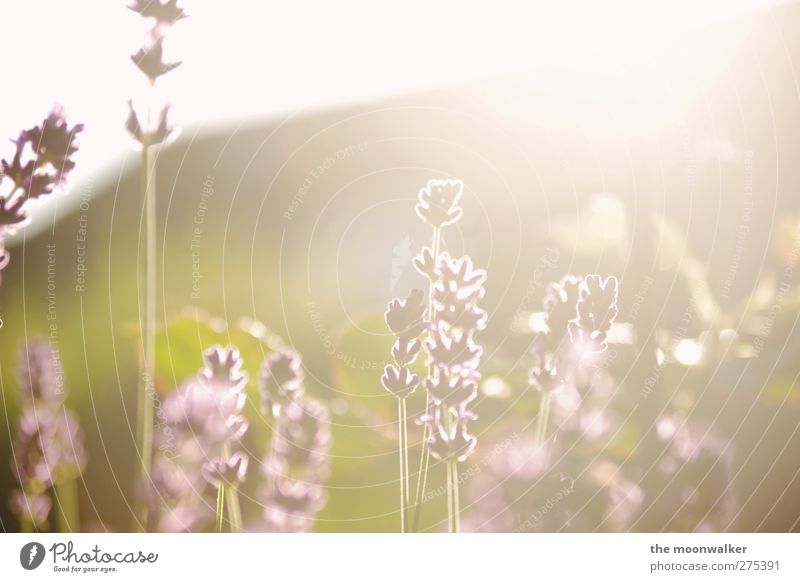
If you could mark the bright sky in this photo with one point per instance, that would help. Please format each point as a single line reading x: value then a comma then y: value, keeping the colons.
x: 245, y: 59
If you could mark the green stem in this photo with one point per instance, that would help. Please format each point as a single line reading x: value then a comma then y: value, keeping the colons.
x: 234, y: 510
x: 68, y: 515
x: 450, y: 522
x: 541, y: 422
x: 220, y: 506
x: 425, y: 460
x: 452, y: 477
x: 453, y: 468
x: 403, y: 454
x: 232, y: 495
x: 147, y: 372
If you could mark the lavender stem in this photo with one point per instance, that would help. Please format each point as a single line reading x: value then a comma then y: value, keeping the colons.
x: 147, y: 373
x: 403, y: 453
x: 66, y: 493
x: 424, y: 462
x: 450, y: 522
x: 235, y: 512
x: 542, y: 419
x: 453, y: 468
x: 220, y: 506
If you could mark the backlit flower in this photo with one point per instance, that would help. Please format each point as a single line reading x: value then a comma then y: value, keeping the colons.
x: 406, y: 318
x: 438, y: 202
x: 150, y: 60
x: 163, y: 11
x: 226, y: 471
x: 281, y: 379
x: 399, y: 381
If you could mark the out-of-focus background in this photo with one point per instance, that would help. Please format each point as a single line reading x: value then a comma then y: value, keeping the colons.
x: 654, y: 143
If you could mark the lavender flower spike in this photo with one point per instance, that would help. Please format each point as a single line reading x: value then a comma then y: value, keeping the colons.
x: 453, y: 360
x: 454, y: 444
x: 48, y: 448
x: 281, y: 380
x: 295, y: 467
x: 406, y: 320
x: 229, y: 471
x: 33, y: 508
x: 165, y: 12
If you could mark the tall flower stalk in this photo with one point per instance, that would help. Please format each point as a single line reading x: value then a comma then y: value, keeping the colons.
x: 48, y: 451
x: 150, y: 131
x: 406, y: 320
x: 451, y: 318
x: 40, y: 166
x: 438, y: 206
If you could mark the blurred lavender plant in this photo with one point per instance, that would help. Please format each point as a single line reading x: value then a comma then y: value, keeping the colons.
x: 694, y: 474
x: 527, y: 487
x: 150, y: 131
x: 48, y: 450
x: 281, y: 381
x: 297, y: 462
x: 205, y: 421
x: 578, y: 314
x: 41, y: 163
x: 536, y: 483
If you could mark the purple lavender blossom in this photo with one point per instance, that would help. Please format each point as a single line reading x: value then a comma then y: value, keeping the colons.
x: 291, y: 506
x: 209, y: 406
x: 399, y: 380
x: 226, y: 471
x: 527, y: 487
x: 560, y: 305
x: 160, y: 132
x: 174, y: 496
x: 406, y: 320
x: 454, y: 355
x: 438, y: 202
x: 4, y: 256
x: 578, y: 316
x: 48, y: 447
x: 149, y: 59
x: 692, y: 485
x: 453, y: 444
x: 452, y: 388
x: 596, y: 311
x: 165, y: 12
x: 41, y: 163
x: 295, y: 467
x: 204, y: 420
x: 39, y: 376
x: 281, y: 380
x: 33, y: 508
